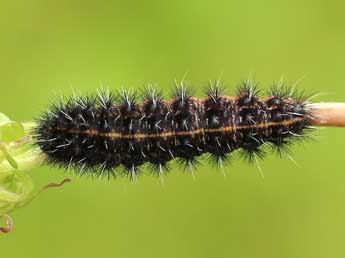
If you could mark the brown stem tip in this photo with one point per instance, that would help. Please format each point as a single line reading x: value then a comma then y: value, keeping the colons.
x: 328, y: 114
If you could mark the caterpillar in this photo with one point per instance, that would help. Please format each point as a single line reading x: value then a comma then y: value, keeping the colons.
x: 100, y: 132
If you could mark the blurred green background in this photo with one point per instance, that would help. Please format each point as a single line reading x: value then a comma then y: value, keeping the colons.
x: 47, y: 46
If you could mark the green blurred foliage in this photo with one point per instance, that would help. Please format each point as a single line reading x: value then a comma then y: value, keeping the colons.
x: 47, y: 46
x: 17, y: 154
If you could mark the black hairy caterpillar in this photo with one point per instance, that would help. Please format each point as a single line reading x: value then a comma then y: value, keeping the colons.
x: 96, y: 134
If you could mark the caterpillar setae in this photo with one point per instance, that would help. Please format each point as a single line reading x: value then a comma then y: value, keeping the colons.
x: 98, y: 133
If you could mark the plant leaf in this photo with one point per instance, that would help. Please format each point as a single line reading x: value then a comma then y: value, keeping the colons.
x: 11, y: 131
x: 3, y: 119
